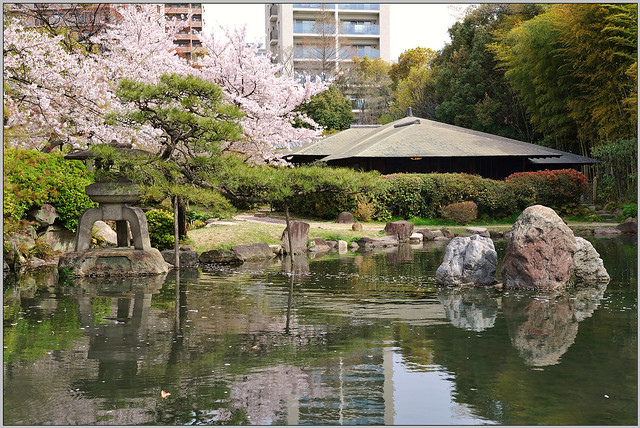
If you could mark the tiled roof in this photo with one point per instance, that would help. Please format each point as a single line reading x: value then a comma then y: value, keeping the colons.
x: 417, y: 137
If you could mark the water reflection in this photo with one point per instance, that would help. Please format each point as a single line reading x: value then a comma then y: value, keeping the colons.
x: 542, y: 327
x: 473, y: 309
x: 357, y: 339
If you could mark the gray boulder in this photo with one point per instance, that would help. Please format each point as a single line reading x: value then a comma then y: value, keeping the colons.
x: 447, y: 233
x: 482, y: 231
x: 60, y: 239
x: 299, y: 236
x: 402, y: 230
x: 222, y: 256
x: 260, y: 250
x: 427, y: 235
x: 439, y: 236
x: 539, y: 253
x: 356, y: 227
x: 188, y: 258
x: 588, y: 265
x: 45, y: 215
x: 416, y: 238
x: 468, y: 260
x: 496, y: 234
x: 103, y: 233
x: 367, y: 244
x: 318, y: 245
x: 114, y: 262
x: 606, y: 231
x: 345, y: 217
x: 630, y: 225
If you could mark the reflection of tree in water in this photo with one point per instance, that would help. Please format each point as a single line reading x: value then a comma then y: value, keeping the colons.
x: 472, y: 309
x: 542, y: 327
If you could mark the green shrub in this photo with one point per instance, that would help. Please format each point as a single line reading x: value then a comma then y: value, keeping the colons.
x: 460, y: 212
x: 33, y: 178
x: 161, y: 229
x: 630, y: 210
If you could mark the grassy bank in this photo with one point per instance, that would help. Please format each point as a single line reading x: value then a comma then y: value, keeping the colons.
x: 248, y: 232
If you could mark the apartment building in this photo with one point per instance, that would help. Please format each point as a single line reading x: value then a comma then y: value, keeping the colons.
x: 319, y: 39
x: 188, y: 44
x: 86, y: 20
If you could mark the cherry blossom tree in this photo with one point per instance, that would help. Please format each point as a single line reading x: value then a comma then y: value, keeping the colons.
x: 268, y: 99
x: 50, y: 95
x: 139, y: 45
x: 55, y: 96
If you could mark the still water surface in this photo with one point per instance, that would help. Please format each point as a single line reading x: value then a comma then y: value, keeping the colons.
x: 352, y: 339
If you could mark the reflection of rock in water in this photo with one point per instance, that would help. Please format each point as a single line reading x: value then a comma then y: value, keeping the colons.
x: 469, y: 308
x: 400, y: 254
x: 587, y: 300
x: 542, y: 327
x: 300, y: 264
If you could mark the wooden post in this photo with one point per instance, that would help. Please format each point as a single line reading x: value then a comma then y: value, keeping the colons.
x: 176, y: 234
x: 286, y: 213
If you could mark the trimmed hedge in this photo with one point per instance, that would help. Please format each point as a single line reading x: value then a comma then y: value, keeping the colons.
x: 424, y: 195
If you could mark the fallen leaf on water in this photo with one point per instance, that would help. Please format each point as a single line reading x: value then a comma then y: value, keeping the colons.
x: 254, y: 347
x: 473, y: 389
x: 164, y: 394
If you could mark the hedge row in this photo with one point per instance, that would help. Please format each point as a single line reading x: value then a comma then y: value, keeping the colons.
x: 424, y: 195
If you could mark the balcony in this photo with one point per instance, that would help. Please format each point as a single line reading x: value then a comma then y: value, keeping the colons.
x: 312, y: 28
x: 359, y: 51
x: 358, y: 6
x: 309, y: 53
x: 364, y: 29
x: 313, y: 6
x: 183, y: 9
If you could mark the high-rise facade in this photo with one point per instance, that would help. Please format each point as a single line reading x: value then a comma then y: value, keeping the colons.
x: 187, y: 41
x: 319, y: 39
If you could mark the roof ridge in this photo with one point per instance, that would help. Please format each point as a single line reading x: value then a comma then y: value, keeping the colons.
x: 360, y: 142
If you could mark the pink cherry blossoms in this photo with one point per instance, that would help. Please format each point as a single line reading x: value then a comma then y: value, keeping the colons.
x: 52, y: 95
x: 252, y: 83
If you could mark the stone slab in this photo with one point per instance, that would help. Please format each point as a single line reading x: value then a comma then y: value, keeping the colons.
x: 114, y: 262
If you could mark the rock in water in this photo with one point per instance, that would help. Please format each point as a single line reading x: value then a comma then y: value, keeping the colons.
x: 630, y: 225
x: 588, y: 265
x: 468, y: 259
x: 540, y: 250
x: 402, y: 230
x: 299, y: 236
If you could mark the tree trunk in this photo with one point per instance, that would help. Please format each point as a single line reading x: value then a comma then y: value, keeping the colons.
x: 176, y: 235
x: 182, y: 218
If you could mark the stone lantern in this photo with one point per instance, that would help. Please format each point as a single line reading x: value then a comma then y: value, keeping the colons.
x: 115, y: 199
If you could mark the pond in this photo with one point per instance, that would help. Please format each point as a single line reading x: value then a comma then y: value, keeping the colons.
x: 344, y: 339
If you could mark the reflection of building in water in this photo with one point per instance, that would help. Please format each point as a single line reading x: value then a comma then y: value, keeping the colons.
x: 472, y: 309
x: 543, y: 327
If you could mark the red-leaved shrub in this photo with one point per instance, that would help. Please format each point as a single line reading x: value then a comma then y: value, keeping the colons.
x: 461, y: 212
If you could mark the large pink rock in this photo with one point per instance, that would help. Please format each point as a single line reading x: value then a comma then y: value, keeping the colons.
x: 540, y: 251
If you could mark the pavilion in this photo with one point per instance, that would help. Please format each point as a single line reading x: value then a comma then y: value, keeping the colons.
x: 417, y: 145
